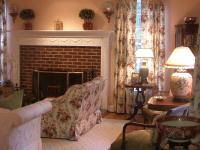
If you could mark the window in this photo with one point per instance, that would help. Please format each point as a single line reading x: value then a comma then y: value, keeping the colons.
x: 138, y: 24
x: 138, y: 31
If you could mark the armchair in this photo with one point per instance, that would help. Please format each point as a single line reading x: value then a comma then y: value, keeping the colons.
x: 146, y: 139
x: 74, y: 113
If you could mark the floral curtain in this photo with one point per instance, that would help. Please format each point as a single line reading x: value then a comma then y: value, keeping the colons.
x: 152, y: 36
x: 3, y: 39
x: 125, y: 45
x: 195, y: 103
x: 153, y: 32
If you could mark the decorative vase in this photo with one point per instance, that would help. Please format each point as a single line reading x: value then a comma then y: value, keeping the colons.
x: 28, y: 25
x: 87, y: 25
x: 181, y: 86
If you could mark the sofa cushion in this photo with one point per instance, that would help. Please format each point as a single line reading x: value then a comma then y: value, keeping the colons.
x: 134, y: 140
x: 12, y: 101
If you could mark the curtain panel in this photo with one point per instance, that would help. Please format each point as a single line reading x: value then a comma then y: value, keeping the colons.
x: 124, y: 54
x: 3, y: 40
x: 195, y: 102
x: 152, y: 36
x: 153, y: 32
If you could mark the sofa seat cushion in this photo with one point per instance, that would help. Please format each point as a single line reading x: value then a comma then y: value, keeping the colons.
x: 134, y: 140
x: 12, y: 101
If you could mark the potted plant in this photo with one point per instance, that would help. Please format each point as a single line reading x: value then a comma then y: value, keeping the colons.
x: 87, y: 15
x: 27, y: 15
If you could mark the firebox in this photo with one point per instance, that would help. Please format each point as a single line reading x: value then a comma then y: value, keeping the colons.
x: 54, y: 83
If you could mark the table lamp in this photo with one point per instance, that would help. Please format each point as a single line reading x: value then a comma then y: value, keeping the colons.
x: 144, y: 54
x: 181, y: 59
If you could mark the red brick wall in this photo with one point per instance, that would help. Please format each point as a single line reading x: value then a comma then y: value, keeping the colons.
x: 56, y: 58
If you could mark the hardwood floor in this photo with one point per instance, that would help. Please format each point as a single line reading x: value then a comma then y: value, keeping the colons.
x: 109, y: 115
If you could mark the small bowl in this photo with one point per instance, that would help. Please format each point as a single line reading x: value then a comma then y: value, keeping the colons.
x: 159, y: 98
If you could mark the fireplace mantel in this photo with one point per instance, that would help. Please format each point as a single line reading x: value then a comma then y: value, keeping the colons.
x: 63, y: 38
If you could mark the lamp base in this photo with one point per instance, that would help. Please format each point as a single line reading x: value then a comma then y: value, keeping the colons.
x: 181, y: 86
x: 143, y: 73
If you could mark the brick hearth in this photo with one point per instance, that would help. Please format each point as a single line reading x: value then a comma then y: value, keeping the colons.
x: 56, y: 58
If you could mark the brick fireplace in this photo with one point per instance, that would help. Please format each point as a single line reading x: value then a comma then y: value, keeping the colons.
x: 55, y: 59
x: 65, y: 51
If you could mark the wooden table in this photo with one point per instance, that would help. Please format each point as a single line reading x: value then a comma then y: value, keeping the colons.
x: 140, y: 88
x: 165, y: 104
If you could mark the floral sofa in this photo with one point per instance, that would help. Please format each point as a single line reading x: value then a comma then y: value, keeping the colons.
x: 74, y: 113
x: 20, y: 128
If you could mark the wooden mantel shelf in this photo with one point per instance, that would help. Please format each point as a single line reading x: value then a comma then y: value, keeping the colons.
x: 63, y: 33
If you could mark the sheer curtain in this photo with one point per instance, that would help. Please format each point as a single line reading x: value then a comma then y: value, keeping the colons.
x: 152, y: 36
x: 3, y: 39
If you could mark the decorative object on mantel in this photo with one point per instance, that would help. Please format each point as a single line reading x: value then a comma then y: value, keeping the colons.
x: 13, y: 12
x: 58, y: 25
x: 87, y: 15
x: 27, y: 15
x: 191, y: 20
x: 108, y: 10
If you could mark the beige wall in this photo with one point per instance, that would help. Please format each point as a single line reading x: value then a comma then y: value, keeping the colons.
x: 176, y: 10
x: 48, y: 11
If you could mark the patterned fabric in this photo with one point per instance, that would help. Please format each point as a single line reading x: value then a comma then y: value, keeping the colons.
x: 3, y: 41
x: 74, y: 113
x: 152, y: 21
x: 153, y: 31
x: 195, y: 103
x: 125, y: 45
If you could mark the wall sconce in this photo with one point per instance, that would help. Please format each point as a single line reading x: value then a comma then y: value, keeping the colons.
x: 13, y: 12
x: 108, y: 10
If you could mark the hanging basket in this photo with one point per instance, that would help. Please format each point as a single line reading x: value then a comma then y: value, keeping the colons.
x: 87, y: 25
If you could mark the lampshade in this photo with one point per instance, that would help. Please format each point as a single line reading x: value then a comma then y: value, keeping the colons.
x: 144, y: 53
x: 181, y: 57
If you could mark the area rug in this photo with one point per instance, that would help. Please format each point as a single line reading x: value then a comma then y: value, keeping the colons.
x: 98, y: 138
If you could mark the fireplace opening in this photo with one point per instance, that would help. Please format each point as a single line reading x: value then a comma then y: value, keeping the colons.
x: 53, y: 83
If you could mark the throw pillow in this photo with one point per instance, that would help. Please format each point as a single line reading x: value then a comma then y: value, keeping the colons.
x: 12, y: 101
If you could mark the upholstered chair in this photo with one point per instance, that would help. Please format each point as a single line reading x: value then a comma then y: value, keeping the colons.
x: 146, y: 138
x: 75, y: 112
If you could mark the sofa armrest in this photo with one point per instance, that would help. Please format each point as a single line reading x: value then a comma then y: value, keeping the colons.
x: 33, y: 111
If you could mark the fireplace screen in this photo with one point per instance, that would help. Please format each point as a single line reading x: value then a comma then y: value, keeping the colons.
x: 53, y: 84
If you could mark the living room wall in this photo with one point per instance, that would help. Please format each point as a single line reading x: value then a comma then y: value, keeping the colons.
x: 176, y: 10
x: 48, y: 11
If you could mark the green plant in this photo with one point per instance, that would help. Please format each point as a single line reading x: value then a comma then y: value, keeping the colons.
x: 27, y: 14
x: 86, y: 14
